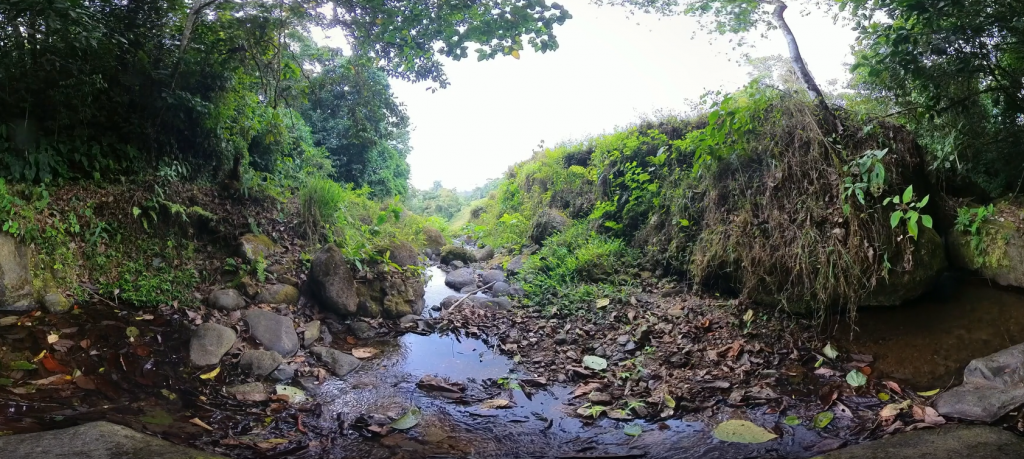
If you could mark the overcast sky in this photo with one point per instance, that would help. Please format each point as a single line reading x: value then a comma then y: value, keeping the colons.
x: 609, y: 70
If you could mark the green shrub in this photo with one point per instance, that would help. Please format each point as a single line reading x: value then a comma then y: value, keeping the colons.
x: 319, y: 203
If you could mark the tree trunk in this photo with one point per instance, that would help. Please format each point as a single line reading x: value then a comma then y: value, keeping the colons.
x: 826, y: 113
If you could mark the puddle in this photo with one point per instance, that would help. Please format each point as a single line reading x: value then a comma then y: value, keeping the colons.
x: 928, y: 343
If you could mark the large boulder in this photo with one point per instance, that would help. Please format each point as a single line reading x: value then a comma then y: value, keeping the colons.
x: 403, y: 254
x: 391, y: 296
x: 484, y: 254
x: 331, y: 281
x: 453, y: 253
x: 929, y: 261
x: 274, y: 332
x: 993, y: 385
x: 433, y: 238
x: 15, y: 276
x: 545, y: 224
x: 96, y: 440
x: 209, y: 343
x: 278, y: 294
x: 460, y: 279
x: 476, y: 301
x: 995, y: 249
x: 255, y: 246
x: 948, y: 442
x: 492, y: 276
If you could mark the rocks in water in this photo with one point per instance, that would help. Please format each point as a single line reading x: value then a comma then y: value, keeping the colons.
x: 516, y: 264
x: 209, y: 343
x: 252, y: 392
x: 468, y: 289
x: 545, y: 224
x: 255, y: 246
x: 390, y: 296
x: 362, y: 330
x: 951, y: 441
x: 457, y: 264
x: 311, y: 334
x: 96, y: 440
x: 492, y: 276
x: 332, y: 283
x: 278, y: 294
x: 476, y: 301
x: 929, y: 263
x: 484, y: 254
x: 338, y: 362
x: 409, y: 319
x: 259, y: 363
x: 460, y: 278
x: 501, y: 289
x: 435, y: 239
x: 227, y: 299
x: 284, y: 372
x: 403, y: 254
x: 16, y: 292
x: 274, y: 332
x: 993, y: 385
x: 55, y: 303
x: 450, y: 253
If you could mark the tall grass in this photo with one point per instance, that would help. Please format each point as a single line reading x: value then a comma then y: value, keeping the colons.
x: 320, y: 200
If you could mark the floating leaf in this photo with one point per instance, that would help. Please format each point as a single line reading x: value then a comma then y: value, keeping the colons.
x: 21, y: 365
x: 669, y: 402
x: 170, y: 395
x: 856, y: 379
x: 928, y: 393
x: 742, y: 432
x: 211, y: 374
x: 295, y: 395
x: 633, y: 430
x: 595, y: 363
x: 823, y: 418
x: 792, y: 420
x: 364, y: 352
x: 496, y: 404
x: 409, y: 420
x: 602, y: 302
x: 830, y: 351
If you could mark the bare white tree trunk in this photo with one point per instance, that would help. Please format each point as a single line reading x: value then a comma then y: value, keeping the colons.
x: 800, y: 67
x: 190, y: 21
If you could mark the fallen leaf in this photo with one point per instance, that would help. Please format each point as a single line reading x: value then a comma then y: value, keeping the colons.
x: 669, y: 401
x: 792, y: 420
x: 894, y: 387
x: 351, y: 339
x: 865, y: 370
x: 200, y: 423
x: 52, y: 338
x: 932, y: 417
x: 7, y: 321
x: 211, y: 374
x: 856, y: 379
x: 52, y: 365
x: 409, y: 420
x: 158, y: 417
x: 828, y: 397
x: 55, y: 380
x: 928, y: 393
x: 432, y: 383
x: 131, y: 332
x: 602, y: 302
x: 364, y: 352
x: 742, y: 432
x: 295, y: 394
x: 21, y: 365
x: 594, y: 362
x: 585, y: 389
x: 830, y: 351
x: 822, y: 419
x: 85, y: 344
x: 85, y: 382
x: 892, y: 409
x: 170, y: 395
x: 826, y: 372
x: 883, y: 396
x: 496, y: 404
x: 62, y: 345
x: 633, y: 430
x: 22, y: 390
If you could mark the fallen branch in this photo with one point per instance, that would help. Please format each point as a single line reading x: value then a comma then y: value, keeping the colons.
x: 474, y: 292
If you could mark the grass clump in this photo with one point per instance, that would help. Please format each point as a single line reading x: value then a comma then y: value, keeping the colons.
x: 320, y: 199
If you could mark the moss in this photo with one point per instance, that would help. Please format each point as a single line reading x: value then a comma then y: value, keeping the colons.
x: 450, y: 253
x: 255, y: 246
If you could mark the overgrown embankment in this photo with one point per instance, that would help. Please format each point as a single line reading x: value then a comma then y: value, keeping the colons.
x: 750, y: 196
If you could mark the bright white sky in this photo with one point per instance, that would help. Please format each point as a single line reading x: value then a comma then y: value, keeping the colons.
x: 607, y: 72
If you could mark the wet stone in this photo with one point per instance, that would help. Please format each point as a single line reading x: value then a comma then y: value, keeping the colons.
x: 253, y: 388
x: 209, y: 343
x: 468, y: 289
x: 56, y: 303
x: 260, y: 363
x: 311, y: 334
x: 409, y: 319
x: 501, y: 289
x: 460, y: 279
x: 493, y: 276
x: 600, y: 398
x: 561, y: 339
x: 274, y: 332
x: 96, y: 440
x: 993, y: 385
x: 338, y: 362
x: 284, y: 372
x: 948, y: 442
x: 278, y: 294
x: 227, y: 299
x: 362, y: 330
x: 457, y: 264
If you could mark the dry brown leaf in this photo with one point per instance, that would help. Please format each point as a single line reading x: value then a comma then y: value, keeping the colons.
x: 496, y: 404
x: 85, y: 382
x: 364, y: 352
x: 199, y: 423
x: 893, y: 386
x: 585, y: 389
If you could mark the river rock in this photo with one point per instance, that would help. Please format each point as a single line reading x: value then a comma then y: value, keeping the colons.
x: 516, y: 290
x: 403, y: 254
x: 998, y: 251
x: 227, y: 299
x: 284, y: 372
x: 278, y: 294
x: 331, y: 281
x: 338, y: 362
x: 254, y: 391
x: 274, y: 332
x: 501, y: 289
x: 15, y: 276
x: 492, y: 276
x: 259, y: 363
x: 993, y: 385
x: 209, y: 343
x: 390, y: 296
x: 410, y: 319
x: 434, y: 239
x: 516, y: 264
x: 545, y: 224
x: 929, y: 263
x: 96, y: 440
x: 484, y: 254
x: 311, y: 334
x: 452, y: 253
x: 255, y: 246
x: 460, y: 278
x: 362, y: 330
x: 468, y: 289
x: 951, y: 441
x: 476, y: 301
x: 457, y: 264
x: 56, y: 303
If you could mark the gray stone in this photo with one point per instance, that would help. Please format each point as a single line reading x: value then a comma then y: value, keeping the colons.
x: 450, y: 253
x: 457, y: 264
x: 952, y: 441
x: 545, y: 224
x: 516, y: 290
x: 253, y: 247
x: 484, y: 254
x: 311, y: 334
x: 435, y: 239
x: 338, y: 362
x: 250, y: 389
x: 501, y: 289
x: 993, y: 385
x: 284, y: 372
x: 278, y: 294
x: 403, y: 254
x: 516, y: 264
x: 96, y: 440
x: 209, y: 343
x: 56, y: 303
x: 561, y: 339
x: 331, y: 281
x: 460, y: 278
x: 274, y: 332
x: 15, y: 276
x: 362, y: 330
x: 259, y: 363
x: 493, y: 277
x: 227, y: 299
x: 468, y: 289
x: 493, y: 304
x: 410, y: 319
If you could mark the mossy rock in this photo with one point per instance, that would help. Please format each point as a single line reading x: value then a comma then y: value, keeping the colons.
x: 55, y: 303
x: 278, y: 294
x: 390, y: 297
x: 452, y: 253
x: 996, y: 251
x: 16, y: 288
x: 434, y: 239
x: 929, y: 261
x: 403, y: 254
x: 547, y: 223
x: 255, y: 246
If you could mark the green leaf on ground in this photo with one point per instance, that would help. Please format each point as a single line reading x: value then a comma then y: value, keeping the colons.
x: 792, y: 420
x: 830, y: 351
x: 856, y: 378
x: 295, y: 395
x: 822, y: 419
x: 6, y: 381
x: 669, y: 401
x: 409, y: 420
x: 131, y: 332
x: 595, y: 363
x: 742, y: 432
x: 883, y: 396
x: 158, y: 417
x: 929, y: 393
x: 633, y: 430
x: 21, y: 365
x: 602, y: 302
